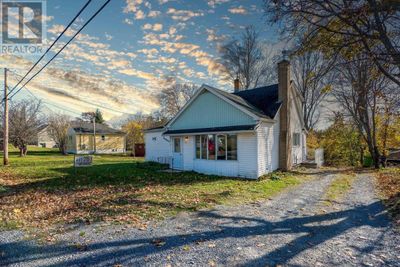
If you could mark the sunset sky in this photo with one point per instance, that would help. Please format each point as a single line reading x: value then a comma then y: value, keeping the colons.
x: 117, y: 63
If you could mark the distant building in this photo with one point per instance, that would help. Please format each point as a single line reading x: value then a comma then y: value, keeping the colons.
x: 81, y: 139
x: 44, y: 140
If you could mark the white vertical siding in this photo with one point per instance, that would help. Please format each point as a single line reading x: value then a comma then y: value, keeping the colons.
x: 156, y: 146
x: 296, y: 127
x: 247, y: 155
x: 268, y: 147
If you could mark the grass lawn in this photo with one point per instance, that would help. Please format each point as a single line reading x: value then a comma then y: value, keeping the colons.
x: 42, y: 190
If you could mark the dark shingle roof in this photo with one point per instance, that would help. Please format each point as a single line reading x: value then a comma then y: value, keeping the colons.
x: 262, y: 101
x: 87, y: 127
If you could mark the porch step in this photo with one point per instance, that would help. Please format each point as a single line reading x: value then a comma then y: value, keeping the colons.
x: 310, y: 164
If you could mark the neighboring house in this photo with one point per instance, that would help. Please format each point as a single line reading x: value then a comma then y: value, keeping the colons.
x: 243, y: 134
x: 394, y: 155
x: 44, y: 140
x: 81, y: 139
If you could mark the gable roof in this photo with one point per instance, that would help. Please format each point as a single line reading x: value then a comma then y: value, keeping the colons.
x: 262, y: 101
x: 83, y: 127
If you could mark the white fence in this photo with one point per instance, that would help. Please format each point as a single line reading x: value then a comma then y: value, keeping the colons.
x: 319, y: 157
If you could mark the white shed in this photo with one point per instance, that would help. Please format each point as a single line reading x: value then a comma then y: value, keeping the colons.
x: 158, y: 148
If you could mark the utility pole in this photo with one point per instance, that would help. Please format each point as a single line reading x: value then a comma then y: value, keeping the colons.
x: 5, y: 120
x: 94, y: 133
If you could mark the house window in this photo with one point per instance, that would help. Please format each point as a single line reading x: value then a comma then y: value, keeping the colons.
x: 216, y: 147
x: 177, y: 145
x: 296, y: 139
x: 221, y: 147
x: 103, y: 138
x: 211, y: 147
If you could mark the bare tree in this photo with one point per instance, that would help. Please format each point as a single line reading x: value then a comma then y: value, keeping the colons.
x: 311, y: 73
x: 57, y: 129
x: 248, y: 60
x: 174, y: 96
x: 25, y: 122
x: 370, y: 26
x: 361, y: 90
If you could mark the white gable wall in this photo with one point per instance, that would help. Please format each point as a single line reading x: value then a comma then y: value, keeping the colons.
x: 156, y: 146
x: 296, y: 127
x: 268, y: 147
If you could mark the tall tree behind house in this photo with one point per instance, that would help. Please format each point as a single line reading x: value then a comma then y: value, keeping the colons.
x: 249, y: 60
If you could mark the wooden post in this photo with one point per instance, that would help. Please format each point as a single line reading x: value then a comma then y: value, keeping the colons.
x: 94, y: 134
x: 5, y: 122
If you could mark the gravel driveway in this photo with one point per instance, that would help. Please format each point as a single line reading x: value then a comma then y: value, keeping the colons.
x: 295, y: 228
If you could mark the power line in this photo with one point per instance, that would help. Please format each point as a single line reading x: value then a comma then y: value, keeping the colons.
x: 81, y: 100
x: 51, y: 46
x: 73, y: 37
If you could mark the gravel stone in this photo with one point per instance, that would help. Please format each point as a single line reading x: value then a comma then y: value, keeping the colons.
x: 295, y: 228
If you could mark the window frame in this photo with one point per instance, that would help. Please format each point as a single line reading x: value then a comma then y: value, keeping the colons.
x: 199, y: 141
x: 296, y: 139
x: 180, y: 145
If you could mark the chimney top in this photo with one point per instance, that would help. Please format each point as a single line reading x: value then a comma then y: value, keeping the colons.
x: 236, y: 84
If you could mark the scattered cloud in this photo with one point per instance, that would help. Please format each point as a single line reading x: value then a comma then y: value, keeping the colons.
x: 183, y: 15
x: 238, y: 10
x: 155, y: 27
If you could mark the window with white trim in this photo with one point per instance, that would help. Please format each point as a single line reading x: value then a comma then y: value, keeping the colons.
x: 216, y: 147
x: 296, y: 139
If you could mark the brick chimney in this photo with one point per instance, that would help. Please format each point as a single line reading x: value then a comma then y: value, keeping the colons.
x: 236, y: 84
x: 285, y: 140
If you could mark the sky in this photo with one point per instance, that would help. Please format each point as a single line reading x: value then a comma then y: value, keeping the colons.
x: 119, y: 62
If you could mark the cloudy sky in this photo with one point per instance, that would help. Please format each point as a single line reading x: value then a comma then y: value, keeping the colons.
x: 118, y: 62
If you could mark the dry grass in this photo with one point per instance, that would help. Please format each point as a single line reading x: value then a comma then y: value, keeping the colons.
x: 339, y: 187
x: 42, y: 191
x: 388, y: 183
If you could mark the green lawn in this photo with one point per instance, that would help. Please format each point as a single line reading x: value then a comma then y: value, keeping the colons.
x: 42, y: 189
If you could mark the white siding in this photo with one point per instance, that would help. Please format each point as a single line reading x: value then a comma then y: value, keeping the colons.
x: 217, y: 167
x: 268, y: 147
x: 296, y: 127
x: 156, y: 146
x: 247, y: 155
x: 245, y: 166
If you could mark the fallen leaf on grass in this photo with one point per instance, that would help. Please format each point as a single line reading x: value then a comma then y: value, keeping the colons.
x: 186, y: 248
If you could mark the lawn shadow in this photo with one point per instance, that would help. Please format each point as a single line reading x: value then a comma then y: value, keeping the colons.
x: 314, y: 230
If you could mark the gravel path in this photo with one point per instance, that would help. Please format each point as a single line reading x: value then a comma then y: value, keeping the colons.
x: 295, y: 228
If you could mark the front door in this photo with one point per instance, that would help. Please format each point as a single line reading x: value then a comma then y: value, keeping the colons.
x: 177, y: 160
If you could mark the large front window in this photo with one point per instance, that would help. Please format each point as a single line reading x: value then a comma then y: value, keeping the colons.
x: 216, y: 147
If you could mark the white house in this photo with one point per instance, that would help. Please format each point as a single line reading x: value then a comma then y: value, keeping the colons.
x: 247, y: 133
